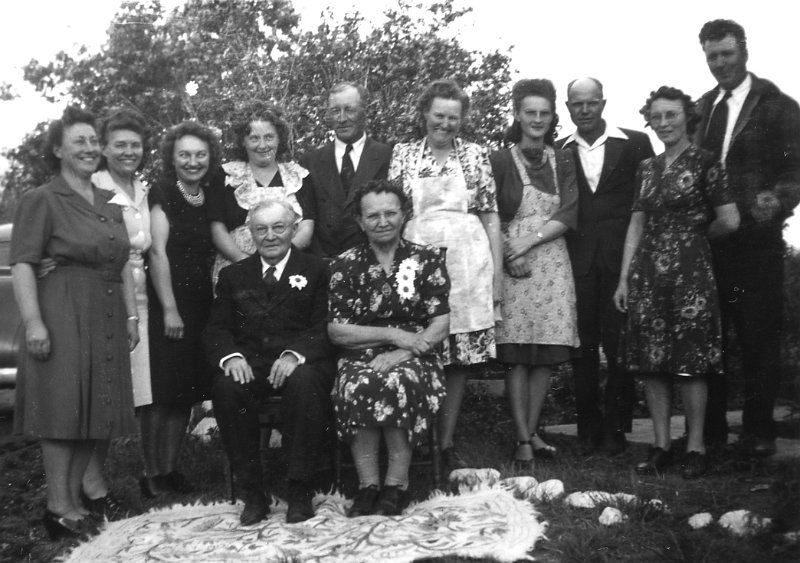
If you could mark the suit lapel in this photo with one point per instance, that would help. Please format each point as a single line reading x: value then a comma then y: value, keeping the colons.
x: 255, y: 280
x: 368, y: 166
x: 747, y: 111
x: 328, y: 158
x: 613, y: 149
x: 282, y: 290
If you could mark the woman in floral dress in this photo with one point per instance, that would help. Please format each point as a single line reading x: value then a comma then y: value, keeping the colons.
x: 388, y: 311
x: 538, y: 200
x: 667, y: 285
x: 261, y: 137
x: 450, y: 185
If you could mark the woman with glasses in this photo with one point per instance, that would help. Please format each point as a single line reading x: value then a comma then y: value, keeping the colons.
x: 667, y: 286
x: 258, y: 172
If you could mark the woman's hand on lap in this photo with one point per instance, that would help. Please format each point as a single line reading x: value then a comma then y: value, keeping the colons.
x: 386, y: 361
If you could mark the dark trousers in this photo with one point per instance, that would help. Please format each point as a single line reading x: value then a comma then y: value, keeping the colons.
x: 306, y: 416
x: 748, y: 266
x: 599, y: 323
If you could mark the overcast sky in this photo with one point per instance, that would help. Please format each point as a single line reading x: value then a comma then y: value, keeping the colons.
x: 631, y: 45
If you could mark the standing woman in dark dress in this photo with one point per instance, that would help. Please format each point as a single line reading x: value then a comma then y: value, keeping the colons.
x: 80, y: 323
x: 180, y: 297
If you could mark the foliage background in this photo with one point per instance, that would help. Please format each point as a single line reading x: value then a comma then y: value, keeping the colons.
x: 233, y: 51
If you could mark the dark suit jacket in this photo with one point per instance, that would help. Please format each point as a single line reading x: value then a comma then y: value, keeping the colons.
x: 603, y: 216
x: 335, y: 229
x: 246, y: 320
x: 764, y: 153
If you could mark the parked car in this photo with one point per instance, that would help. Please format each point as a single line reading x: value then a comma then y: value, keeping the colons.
x: 9, y: 314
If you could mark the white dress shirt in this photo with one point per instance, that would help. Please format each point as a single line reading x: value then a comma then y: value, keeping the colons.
x: 592, y: 156
x: 355, y: 155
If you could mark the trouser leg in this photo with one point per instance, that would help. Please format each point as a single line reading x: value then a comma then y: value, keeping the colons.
x: 586, y: 368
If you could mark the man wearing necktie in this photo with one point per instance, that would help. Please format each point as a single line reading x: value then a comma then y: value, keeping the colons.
x: 350, y: 160
x: 754, y: 128
x: 267, y: 336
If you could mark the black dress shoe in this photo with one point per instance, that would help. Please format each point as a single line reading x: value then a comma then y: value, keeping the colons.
x: 390, y: 501
x: 452, y: 460
x: 614, y: 443
x: 364, y: 502
x: 60, y: 528
x: 543, y: 452
x: 694, y: 465
x: 106, y: 507
x: 657, y: 460
x: 255, y: 510
x: 176, y: 481
x: 300, y: 506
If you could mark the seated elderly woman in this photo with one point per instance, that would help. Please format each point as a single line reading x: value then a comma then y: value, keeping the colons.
x: 388, y: 310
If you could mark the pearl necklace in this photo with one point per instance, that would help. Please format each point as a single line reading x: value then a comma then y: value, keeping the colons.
x: 195, y: 200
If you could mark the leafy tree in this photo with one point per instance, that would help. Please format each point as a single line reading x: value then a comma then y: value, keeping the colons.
x: 206, y: 56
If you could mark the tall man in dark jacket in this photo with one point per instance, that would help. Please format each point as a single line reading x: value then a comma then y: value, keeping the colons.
x: 607, y: 159
x: 268, y: 336
x: 755, y: 130
x: 338, y: 167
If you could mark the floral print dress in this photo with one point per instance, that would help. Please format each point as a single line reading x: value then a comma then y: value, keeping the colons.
x: 673, y: 323
x: 362, y: 293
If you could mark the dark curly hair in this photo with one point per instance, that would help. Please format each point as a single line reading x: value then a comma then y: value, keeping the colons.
x: 55, y: 133
x: 379, y: 187
x: 541, y: 87
x: 124, y: 120
x: 676, y: 95
x: 717, y: 30
x: 445, y: 89
x: 258, y: 111
x: 184, y: 129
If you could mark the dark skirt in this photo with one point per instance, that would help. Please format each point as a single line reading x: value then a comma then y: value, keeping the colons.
x: 533, y: 354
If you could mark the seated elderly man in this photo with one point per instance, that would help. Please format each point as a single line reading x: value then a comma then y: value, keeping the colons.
x: 267, y: 335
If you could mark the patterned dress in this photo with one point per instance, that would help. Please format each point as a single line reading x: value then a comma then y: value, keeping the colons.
x: 673, y: 323
x: 446, y: 202
x: 362, y: 293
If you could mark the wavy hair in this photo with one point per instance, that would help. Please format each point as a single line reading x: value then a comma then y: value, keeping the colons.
x: 445, y: 89
x: 258, y: 111
x: 541, y: 87
x: 124, y: 120
x: 184, y: 129
x: 675, y: 95
x: 55, y: 133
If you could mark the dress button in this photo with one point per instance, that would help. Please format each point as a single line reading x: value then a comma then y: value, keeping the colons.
x: 110, y: 314
x: 108, y: 380
x: 109, y: 357
x: 103, y: 219
x: 111, y: 237
x: 110, y: 291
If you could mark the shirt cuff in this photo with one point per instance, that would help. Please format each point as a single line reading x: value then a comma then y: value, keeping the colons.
x: 228, y: 357
x: 301, y: 359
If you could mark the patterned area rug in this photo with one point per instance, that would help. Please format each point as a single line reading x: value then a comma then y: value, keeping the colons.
x: 485, y: 523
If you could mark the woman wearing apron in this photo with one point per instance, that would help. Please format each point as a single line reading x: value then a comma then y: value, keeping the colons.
x: 538, y: 201
x: 450, y: 185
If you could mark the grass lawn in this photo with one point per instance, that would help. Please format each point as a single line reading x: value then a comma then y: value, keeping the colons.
x: 574, y: 534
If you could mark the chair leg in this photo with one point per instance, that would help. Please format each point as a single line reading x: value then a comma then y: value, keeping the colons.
x: 436, y: 454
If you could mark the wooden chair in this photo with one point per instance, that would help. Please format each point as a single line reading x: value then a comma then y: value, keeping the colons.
x: 434, y: 458
x: 269, y: 418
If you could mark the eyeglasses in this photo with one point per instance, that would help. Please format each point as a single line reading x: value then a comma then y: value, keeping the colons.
x: 263, y: 230
x: 389, y: 215
x: 669, y: 117
x: 346, y: 110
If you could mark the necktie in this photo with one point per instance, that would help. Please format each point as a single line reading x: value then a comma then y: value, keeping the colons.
x: 348, y: 170
x: 269, y: 278
x: 717, y: 125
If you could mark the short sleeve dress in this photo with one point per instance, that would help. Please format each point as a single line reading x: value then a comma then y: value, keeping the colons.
x: 180, y: 374
x: 446, y: 203
x: 362, y: 293
x: 673, y: 324
x: 83, y: 390
x: 236, y: 190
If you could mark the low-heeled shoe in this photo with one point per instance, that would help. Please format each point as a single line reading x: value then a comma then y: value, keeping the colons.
x: 694, y: 465
x: 657, y: 460
x: 60, y: 528
x: 363, y: 502
x: 390, y: 501
x: 108, y: 506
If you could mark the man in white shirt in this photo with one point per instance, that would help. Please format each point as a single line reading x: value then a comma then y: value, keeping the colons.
x: 267, y: 334
x: 338, y: 167
x: 755, y: 130
x: 606, y: 159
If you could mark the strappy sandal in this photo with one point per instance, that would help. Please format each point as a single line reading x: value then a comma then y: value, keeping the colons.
x: 542, y: 452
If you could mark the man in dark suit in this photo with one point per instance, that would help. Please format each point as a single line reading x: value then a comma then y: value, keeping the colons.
x: 350, y: 160
x: 267, y: 335
x: 607, y: 159
x: 755, y: 130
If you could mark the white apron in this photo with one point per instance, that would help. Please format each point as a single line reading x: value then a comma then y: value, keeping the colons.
x: 441, y: 219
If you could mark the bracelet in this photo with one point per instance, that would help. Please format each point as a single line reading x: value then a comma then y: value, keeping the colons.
x: 133, y: 318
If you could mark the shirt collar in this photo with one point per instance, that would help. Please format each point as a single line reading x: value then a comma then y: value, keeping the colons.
x: 358, y: 145
x: 279, y: 267
x: 611, y: 132
x: 738, y: 93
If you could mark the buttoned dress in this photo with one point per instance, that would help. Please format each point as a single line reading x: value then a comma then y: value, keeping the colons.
x: 83, y: 390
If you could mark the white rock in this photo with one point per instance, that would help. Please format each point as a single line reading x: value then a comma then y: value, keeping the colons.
x: 611, y: 516
x: 521, y: 487
x: 589, y: 499
x: 205, y: 428
x: 471, y: 478
x: 700, y: 520
x: 743, y: 522
x: 657, y: 504
x: 548, y: 490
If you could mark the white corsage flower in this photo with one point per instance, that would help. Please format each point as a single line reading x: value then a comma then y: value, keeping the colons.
x: 406, y: 274
x: 297, y: 281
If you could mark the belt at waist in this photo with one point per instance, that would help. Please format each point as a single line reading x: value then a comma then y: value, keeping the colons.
x: 87, y: 272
